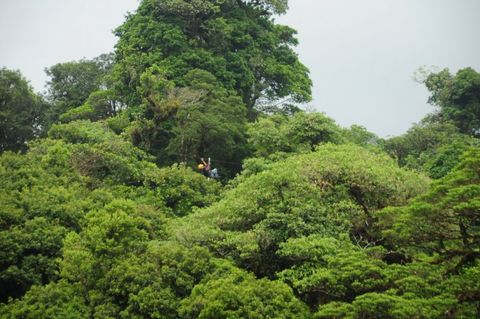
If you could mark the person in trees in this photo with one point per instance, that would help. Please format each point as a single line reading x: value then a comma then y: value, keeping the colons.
x: 214, y: 173
x: 206, y: 169
x: 201, y: 168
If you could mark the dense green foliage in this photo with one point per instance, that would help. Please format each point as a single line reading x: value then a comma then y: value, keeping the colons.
x: 22, y: 112
x: 192, y: 73
x: 104, y: 216
x: 333, y: 191
x: 458, y: 98
x: 47, y: 193
x: 235, y: 40
x: 436, y: 144
x: 181, y: 124
x: 444, y: 221
x: 434, y: 148
x: 297, y: 133
x: 72, y: 83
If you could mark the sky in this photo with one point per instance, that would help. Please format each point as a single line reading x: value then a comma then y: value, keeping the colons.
x: 362, y: 55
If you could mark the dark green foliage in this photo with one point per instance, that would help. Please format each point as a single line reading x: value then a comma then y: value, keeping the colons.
x: 185, y: 124
x: 321, y: 223
x: 47, y: 192
x: 326, y: 269
x: 331, y: 192
x: 431, y: 147
x: 436, y: 145
x: 106, y: 159
x: 192, y: 73
x: 445, y: 220
x: 72, y: 83
x: 182, y: 189
x: 418, y: 291
x: 420, y: 140
x: 99, y: 105
x: 22, y: 112
x: 102, y: 155
x: 458, y: 98
x: 83, y: 112
x: 236, y: 41
x: 82, y: 132
x: 237, y: 294
x: 28, y: 253
x: 125, y: 272
x: 447, y: 156
x: 53, y: 301
x: 214, y: 125
x: 41, y: 201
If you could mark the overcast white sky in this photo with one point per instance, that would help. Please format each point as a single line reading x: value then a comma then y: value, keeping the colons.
x: 361, y: 54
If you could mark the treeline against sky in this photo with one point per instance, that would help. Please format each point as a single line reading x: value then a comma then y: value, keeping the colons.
x: 103, y: 213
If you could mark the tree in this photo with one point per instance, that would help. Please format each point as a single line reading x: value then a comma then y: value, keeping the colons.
x: 41, y: 202
x: 431, y: 147
x: 28, y: 255
x: 458, y: 98
x: 332, y: 192
x: 183, y: 124
x: 236, y: 41
x: 82, y: 167
x: 99, y: 105
x: 325, y: 269
x: 55, y: 300
x: 182, y: 189
x: 447, y: 156
x: 22, y: 112
x: 359, y: 135
x: 128, y: 272
x: 311, y: 129
x: 72, y: 83
x: 444, y: 221
x: 237, y: 294
x: 300, y: 132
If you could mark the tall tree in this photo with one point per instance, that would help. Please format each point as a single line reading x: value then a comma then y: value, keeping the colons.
x: 235, y: 40
x: 72, y: 82
x: 445, y: 221
x: 458, y: 98
x: 182, y: 124
x: 21, y: 111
